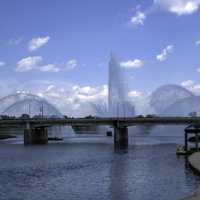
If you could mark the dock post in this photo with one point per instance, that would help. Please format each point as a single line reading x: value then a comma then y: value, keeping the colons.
x: 121, y: 139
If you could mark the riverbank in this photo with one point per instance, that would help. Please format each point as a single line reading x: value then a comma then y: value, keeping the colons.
x: 194, y: 161
x: 5, y: 136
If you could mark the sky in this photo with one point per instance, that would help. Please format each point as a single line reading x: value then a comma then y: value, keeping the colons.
x: 60, y: 49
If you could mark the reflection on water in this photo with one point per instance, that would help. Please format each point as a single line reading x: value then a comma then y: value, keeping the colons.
x: 87, y: 168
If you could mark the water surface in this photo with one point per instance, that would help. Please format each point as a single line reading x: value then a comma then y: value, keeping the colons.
x: 87, y: 168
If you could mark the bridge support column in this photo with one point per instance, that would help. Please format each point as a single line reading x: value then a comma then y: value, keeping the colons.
x: 186, y: 141
x: 121, y: 139
x: 36, y: 136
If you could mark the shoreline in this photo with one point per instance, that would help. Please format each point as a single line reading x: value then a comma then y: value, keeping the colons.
x: 6, y: 136
x: 194, y: 162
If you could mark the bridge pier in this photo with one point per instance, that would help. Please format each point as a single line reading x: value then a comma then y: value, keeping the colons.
x: 37, y: 135
x: 121, y: 139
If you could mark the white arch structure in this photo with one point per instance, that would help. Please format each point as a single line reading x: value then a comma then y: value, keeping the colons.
x: 26, y: 103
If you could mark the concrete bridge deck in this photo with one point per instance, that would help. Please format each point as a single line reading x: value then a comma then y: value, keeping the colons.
x: 33, y: 131
x: 131, y: 121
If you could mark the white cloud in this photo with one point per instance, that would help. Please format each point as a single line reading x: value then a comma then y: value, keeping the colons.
x: 138, y: 18
x: 166, y: 51
x: 49, y: 68
x: 197, y: 43
x: 132, y: 64
x: 71, y: 64
x: 35, y: 62
x: 50, y: 87
x: 192, y: 86
x: 134, y: 93
x: 73, y: 99
x: 29, y: 63
x: 179, y: 7
x: 36, y: 43
x: 87, y: 90
x: 2, y: 63
x: 187, y: 83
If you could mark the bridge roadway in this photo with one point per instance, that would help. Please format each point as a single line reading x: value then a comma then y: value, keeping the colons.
x: 130, y: 121
x: 34, y: 133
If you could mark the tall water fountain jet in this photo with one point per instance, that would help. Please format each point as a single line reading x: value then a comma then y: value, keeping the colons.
x: 118, y: 104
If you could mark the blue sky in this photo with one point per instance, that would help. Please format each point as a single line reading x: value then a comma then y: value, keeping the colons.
x: 69, y: 42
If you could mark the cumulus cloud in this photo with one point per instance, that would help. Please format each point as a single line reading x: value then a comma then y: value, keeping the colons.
x: 192, y: 86
x: 49, y: 68
x: 50, y: 87
x: 2, y: 63
x: 35, y: 62
x: 80, y: 100
x: 29, y: 63
x: 36, y: 43
x: 137, y: 63
x: 179, y: 7
x: 164, y: 54
x: 134, y: 93
x: 71, y: 64
x: 138, y: 18
x: 71, y: 99
x: 187, y: 83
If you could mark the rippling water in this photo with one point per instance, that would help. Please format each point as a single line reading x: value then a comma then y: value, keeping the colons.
x: 86, y: 168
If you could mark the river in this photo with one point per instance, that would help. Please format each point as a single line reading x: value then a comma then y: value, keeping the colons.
x: 86, y: 168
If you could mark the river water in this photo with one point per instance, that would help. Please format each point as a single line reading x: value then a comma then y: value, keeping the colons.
x: 86, y: 168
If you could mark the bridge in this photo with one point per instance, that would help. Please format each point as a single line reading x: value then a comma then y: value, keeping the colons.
x: 127, y: 121
x: 35, y: 129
